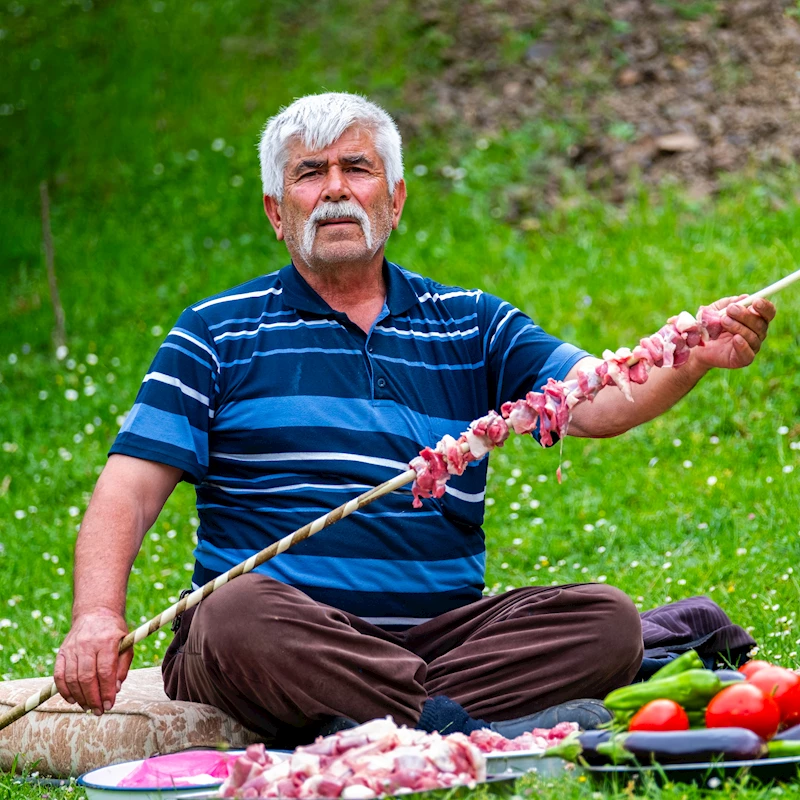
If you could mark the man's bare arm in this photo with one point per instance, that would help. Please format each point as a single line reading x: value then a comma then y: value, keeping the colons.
x: 744, y: 331
x: 127, y: 499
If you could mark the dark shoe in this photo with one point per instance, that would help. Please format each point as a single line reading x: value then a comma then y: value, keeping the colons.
x: 589, y: 714
x: 334, y: 725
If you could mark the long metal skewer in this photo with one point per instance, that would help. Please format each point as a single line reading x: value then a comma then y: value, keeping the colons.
x: 772, y: 288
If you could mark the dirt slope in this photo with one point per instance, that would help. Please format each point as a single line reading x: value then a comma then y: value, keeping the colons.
x: 651, y: 87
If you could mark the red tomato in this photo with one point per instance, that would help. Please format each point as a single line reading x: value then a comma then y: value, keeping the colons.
x: 744, y: 706
x: 660, y: 715
x: 751, y: 667
x: 783, y: 685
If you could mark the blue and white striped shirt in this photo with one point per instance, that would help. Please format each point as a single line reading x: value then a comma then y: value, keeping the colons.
x: 279, y: 409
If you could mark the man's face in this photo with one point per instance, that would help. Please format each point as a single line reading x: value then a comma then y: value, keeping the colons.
x: 336, y: 206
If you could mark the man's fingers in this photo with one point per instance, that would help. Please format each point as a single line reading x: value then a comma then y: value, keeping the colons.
x: 765, y: 308
x: 746, y: 333
x: 107, y: 678
x: 74, y: 691
x: 59, y: 676
x: 90, y: 688
x: 123, y: 665
x: 745, y: 353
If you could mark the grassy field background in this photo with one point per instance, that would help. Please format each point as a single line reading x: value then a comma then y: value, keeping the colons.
x: 143, y: 117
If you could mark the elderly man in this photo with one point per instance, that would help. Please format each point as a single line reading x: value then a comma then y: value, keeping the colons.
x: 285, y: 396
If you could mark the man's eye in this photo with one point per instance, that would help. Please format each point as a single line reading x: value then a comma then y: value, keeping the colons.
x: 309, y: 174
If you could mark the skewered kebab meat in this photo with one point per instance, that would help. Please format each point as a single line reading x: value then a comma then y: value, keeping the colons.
x: 550, y: 410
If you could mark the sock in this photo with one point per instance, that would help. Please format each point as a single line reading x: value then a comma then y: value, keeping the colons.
x: 446, y: 716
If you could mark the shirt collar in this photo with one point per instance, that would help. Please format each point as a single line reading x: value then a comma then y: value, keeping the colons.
x: 400, y: 295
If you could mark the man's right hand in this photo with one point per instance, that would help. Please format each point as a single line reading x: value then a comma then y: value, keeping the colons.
x: 89, y: 667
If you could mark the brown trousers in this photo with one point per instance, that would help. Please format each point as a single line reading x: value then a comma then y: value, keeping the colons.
x: 276, y: 660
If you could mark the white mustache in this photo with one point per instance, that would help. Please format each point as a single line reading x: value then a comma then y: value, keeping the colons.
x: 344, y: 208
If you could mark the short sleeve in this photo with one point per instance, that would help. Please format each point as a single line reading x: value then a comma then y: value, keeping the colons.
x: 170, y: 420
x: 520, y: 356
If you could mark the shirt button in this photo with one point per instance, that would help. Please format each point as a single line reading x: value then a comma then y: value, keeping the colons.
x: 381, y: 383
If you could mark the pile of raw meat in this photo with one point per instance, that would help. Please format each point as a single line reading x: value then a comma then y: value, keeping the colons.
x: 377, y: 758
x: 549, y: 411
x: 488, y: 741
x: 373, y: 759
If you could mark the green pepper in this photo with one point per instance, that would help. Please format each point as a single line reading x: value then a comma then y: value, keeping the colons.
x: 697, y: 719
x: 691, y: 689
x: 781, y: 748
x: 684, y: 662
x: 615, y: 751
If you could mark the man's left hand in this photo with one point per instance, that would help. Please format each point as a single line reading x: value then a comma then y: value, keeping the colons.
x: 744, y: 330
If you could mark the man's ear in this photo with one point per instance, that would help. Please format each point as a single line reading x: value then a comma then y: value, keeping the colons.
x: 398, y: 201
x: 273, y: 211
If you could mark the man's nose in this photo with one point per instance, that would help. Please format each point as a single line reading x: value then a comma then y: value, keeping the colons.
x: 336, y: 187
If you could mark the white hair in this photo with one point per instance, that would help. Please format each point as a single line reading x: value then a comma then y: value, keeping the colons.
x: 319, y: 120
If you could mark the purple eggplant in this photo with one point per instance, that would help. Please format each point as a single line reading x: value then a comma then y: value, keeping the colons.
x: 685, y: 747
x: 578, y: 747
x: 728, y: 675
x: 790, y: 734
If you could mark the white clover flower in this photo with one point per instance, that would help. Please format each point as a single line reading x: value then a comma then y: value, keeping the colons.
x: 91, y: 359
x: 20, y: 513
x: 62, y: 352
x: 714, y: 439
x: 217, y: 145
x: 71, y: 395
x: 711, y: 480
x: 652, y: 462
x: 687, y: 464
x: 783, y: 430
x: 676, y: 442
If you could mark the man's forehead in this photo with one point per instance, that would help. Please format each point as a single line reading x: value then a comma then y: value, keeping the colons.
x: 354, y: 141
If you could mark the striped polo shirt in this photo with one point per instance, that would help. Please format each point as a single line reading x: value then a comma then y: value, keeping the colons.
x: 279, y: 408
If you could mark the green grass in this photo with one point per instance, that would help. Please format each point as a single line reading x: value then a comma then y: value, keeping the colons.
x: 126, y: 113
